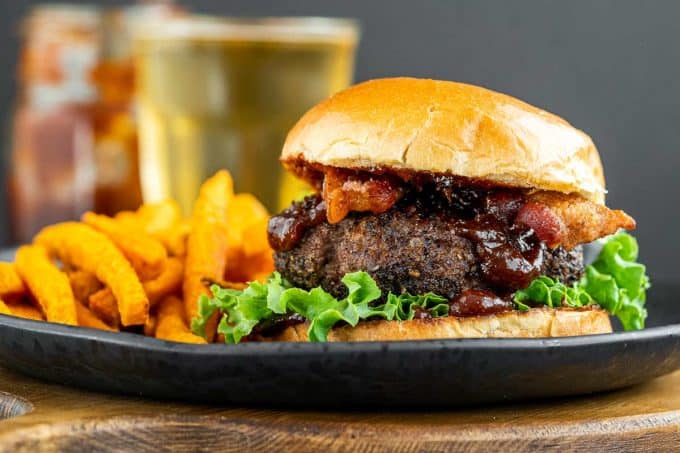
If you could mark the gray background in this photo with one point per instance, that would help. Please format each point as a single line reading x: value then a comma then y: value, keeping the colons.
x: 612, y: 68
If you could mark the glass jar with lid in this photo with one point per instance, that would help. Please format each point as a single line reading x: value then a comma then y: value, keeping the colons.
x: 52, y: 173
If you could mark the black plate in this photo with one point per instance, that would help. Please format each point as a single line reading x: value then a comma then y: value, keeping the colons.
x: 407, y: 373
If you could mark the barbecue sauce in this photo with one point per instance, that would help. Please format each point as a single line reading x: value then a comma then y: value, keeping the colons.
x: 477, y: 302
x: 274, y: 326
x: 510, y: 253
x: 286, y: 229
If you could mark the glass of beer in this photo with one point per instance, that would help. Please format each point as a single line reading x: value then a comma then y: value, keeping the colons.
x: 223, y: 93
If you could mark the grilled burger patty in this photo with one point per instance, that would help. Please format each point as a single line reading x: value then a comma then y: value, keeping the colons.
x: 422, y: 244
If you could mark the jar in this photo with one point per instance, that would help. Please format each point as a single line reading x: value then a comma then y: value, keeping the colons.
x: 52, y: 172
x: 74, y: 131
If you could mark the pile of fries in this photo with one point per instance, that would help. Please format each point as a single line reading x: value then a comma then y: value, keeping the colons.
x: 141, y: 271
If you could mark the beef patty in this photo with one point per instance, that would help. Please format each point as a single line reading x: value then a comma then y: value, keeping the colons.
x: 416, y: 250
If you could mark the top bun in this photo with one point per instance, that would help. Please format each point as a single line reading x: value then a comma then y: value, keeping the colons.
x: 449, y: 128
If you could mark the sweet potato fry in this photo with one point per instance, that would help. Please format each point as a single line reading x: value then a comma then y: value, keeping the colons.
x: 247, y: 221
x: 47, y: 284
x: 262, y: 263
x: 150, y: 326
x: 10, y: 282
x: 249, y: 254
x: 91, y: 251
x: 254, y: 238
x: 161, y: 216
x: 87, y: 319
x: 152, y: 217
x: 175, y: 238
x: 103, y: 305
x: 162, y: 221
x: 261, y: 277
x: 83, y: 285
x: 27, y: 311
x: 103, y: 302
x: 146, y: 254
x: 4, y: 309
x: 128, y: 219
x: 225, y: 284
x: 171, y: 324
x: 169, y: 282
x: 242, y: 268
x: 246, y: 208
x: 207, y: 243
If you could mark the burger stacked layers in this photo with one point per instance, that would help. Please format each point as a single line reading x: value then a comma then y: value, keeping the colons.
x: 440, y: 210
x: 474, y: 245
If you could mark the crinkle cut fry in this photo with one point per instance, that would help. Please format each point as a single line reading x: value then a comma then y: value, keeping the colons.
x: 169, y: 282
x: 150, y: 326
x: 91, y: 251
x: 207, y: 244
x: 152, y: 217
x: 4, y: 309
x: 83, y: 284
x: 47, y: 284
x: 146, y: 254
x: 175, y: 238
x: 88, y: 319
x: 103, y: 303
x: 21, y: 310
x: 10, y: 282
x: 162, y: 221
x: 158, y: 217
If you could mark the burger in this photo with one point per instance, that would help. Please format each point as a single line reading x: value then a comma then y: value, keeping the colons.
x: 439, y: 210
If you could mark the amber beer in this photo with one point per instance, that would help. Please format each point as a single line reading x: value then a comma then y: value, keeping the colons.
x: 223, y: 94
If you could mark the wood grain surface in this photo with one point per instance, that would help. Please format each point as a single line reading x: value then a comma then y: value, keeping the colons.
x: 642, y: 418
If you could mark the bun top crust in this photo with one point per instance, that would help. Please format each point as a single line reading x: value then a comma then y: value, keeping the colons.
x: 448, y: 128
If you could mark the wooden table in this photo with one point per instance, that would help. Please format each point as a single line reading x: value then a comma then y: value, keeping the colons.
x: 642, y: 418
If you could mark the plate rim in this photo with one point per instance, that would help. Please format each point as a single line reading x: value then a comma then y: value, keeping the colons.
x: 141, y: 342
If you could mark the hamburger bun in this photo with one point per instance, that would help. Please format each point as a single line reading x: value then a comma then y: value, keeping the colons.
x: 448, y: 128
x: 534, y: 323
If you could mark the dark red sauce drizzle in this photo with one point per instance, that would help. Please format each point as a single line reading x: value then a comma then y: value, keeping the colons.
x: 510, y: 253
x: 286, y: 229
x: 478, y: 302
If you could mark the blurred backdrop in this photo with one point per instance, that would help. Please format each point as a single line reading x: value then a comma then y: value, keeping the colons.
x: 611, y: 67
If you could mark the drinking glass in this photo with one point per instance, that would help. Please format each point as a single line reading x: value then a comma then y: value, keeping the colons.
x: 223, y: 93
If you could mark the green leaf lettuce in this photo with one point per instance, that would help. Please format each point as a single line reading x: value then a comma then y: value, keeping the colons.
x: 615, y: 281
x: 258, y: 302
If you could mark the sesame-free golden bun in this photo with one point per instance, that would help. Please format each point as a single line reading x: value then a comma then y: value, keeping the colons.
x: 446, y: 128
x: 534, y: 323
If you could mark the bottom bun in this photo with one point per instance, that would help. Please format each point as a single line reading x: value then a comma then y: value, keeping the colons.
x: 534, y: 323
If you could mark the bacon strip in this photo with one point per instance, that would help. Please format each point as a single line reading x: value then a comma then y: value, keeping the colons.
x: 570, y: 220
x: 345, y: 193
x: 556, y: 218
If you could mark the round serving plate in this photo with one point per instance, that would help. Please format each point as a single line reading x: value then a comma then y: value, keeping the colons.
x: 404, y: 373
